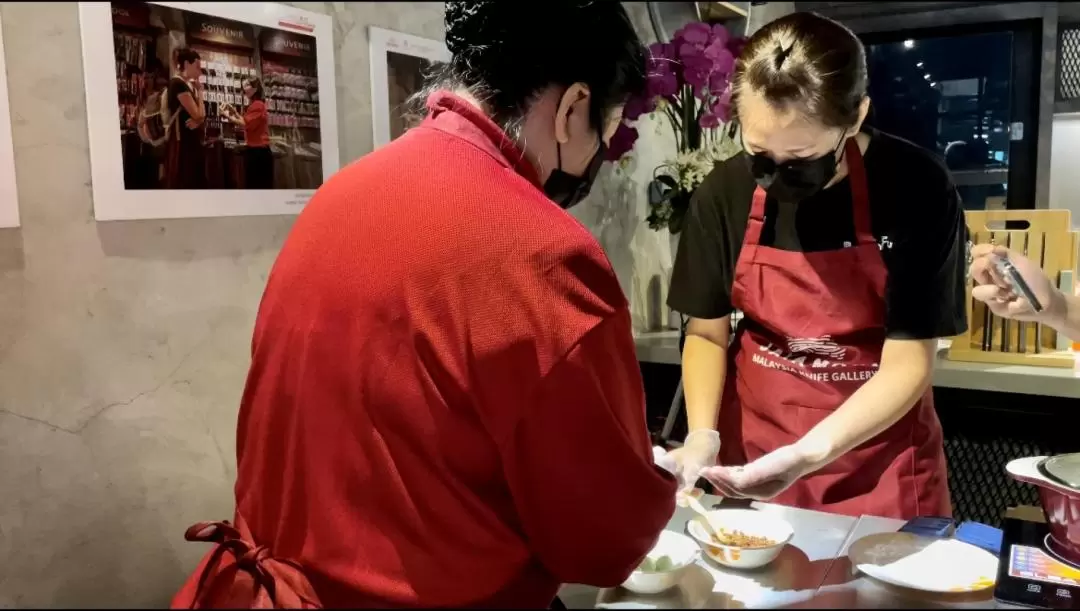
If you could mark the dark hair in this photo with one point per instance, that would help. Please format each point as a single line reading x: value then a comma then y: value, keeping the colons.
x: 257, y: 85
x: 185, y: 55
x: 505, y: 57
x: 806, y: 60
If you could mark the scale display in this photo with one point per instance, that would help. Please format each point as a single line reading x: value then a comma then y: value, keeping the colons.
x: 1027, y: 562
x: 1030, y: 576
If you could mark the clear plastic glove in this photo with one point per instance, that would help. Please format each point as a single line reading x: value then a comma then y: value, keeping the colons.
x: 762, y: 479
x: 664, y: 460
x: 698, y: 451
x: 997, y: 294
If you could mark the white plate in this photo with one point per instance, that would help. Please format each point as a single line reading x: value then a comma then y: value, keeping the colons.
x: 923, y: 563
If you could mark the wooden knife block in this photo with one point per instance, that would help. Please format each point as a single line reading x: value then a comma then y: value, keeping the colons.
x: 1049, y: 234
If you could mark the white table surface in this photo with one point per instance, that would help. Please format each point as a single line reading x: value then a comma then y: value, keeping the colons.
x: 792, y: 578
x: 846, y: 588
x: 813, y: 571
x: 662, y: 347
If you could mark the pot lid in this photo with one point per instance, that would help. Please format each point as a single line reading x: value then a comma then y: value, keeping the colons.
x: 1063, y: 469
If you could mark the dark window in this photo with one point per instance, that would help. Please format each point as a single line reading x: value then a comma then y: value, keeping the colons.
x: 970, y: 94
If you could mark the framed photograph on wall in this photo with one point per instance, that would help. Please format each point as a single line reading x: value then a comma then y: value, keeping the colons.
x: 218, y: 108
x: 9, y: 195
x: 399, y: 63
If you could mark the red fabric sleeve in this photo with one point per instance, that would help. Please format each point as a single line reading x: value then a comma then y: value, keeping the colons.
x: 580, y: 465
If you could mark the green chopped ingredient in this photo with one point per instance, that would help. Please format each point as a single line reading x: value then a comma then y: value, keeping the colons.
x: 658, y: 565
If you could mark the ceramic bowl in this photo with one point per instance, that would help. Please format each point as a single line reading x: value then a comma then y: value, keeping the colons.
x: 747, y: 521
x: 683, y: 552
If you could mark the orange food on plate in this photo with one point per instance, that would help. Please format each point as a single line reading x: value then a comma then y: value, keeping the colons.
x: 737, y: 538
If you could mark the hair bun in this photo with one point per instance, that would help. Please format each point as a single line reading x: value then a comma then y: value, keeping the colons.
x: 498, y: 28
x: 782, y: 55
x: 476, y: 22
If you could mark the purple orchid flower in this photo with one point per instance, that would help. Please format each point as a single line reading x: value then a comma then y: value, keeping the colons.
x: 720, y: 33
x: 697, y: 34
x: 723, y: 62
x: 709, y: 121
x: 696, y: 71
x: 736, y: 45
x: 637, y: 106
x: 622, y: 141
x: 698, y: 61
x: 721, y: 106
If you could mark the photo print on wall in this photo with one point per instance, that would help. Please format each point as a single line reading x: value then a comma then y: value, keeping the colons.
x: 399, y: 63
x: 219, y: 109
x: 9, y: 194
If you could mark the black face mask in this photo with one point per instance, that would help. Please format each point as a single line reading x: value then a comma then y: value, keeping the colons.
x: 568, y: 190
x: 797, y: 179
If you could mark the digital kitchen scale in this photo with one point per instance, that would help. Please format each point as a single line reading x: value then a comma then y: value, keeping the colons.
x: 1031, y: 575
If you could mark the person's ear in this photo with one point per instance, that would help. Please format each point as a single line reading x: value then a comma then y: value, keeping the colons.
x: 864, y: 109
x: 573, y: 107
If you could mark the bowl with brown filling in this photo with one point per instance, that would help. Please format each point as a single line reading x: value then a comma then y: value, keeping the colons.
x: 740, y: 538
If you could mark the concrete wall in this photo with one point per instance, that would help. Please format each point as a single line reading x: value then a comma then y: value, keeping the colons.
x: 124, y: 346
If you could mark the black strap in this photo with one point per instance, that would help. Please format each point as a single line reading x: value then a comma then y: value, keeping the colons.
x: 683, y: 322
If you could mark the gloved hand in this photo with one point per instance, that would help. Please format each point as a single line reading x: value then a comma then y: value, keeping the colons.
x: 764, y: 478
x: 664, y: 461
x: 698, y: 451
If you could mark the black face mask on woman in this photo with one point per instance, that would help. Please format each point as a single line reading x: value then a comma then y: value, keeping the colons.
x: 797, y: 179
x: 568, y: 190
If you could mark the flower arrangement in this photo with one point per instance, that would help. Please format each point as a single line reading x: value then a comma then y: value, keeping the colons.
x: 689, y: 82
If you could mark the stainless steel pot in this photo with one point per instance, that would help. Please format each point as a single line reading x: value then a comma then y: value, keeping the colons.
x: 1058, y: 480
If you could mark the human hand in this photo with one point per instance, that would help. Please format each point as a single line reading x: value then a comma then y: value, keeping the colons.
x: 761, y: 479
x: 662, y: 459
x: 698, y: 451
x: 997, y: 293
x: 192, y: 123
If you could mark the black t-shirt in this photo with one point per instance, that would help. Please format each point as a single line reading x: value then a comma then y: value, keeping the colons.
x: 916, y: 217
x: 177, y: 86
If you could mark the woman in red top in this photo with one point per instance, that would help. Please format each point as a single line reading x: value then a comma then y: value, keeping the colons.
x: 258, y: 160
x: 444, y: 407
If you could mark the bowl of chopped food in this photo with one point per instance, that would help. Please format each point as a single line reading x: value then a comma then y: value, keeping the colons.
x: 741, y: 538
x: 664, y: 565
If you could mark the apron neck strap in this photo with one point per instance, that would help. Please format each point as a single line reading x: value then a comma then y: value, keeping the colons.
x: 860, y: 200
x: 860, y: 193
x: 757, y: 218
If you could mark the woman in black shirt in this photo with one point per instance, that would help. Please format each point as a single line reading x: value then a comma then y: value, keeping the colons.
x: 185, y: 160
x: 843, y: 247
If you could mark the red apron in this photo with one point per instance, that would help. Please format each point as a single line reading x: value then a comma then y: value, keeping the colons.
x: 811, y: 336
